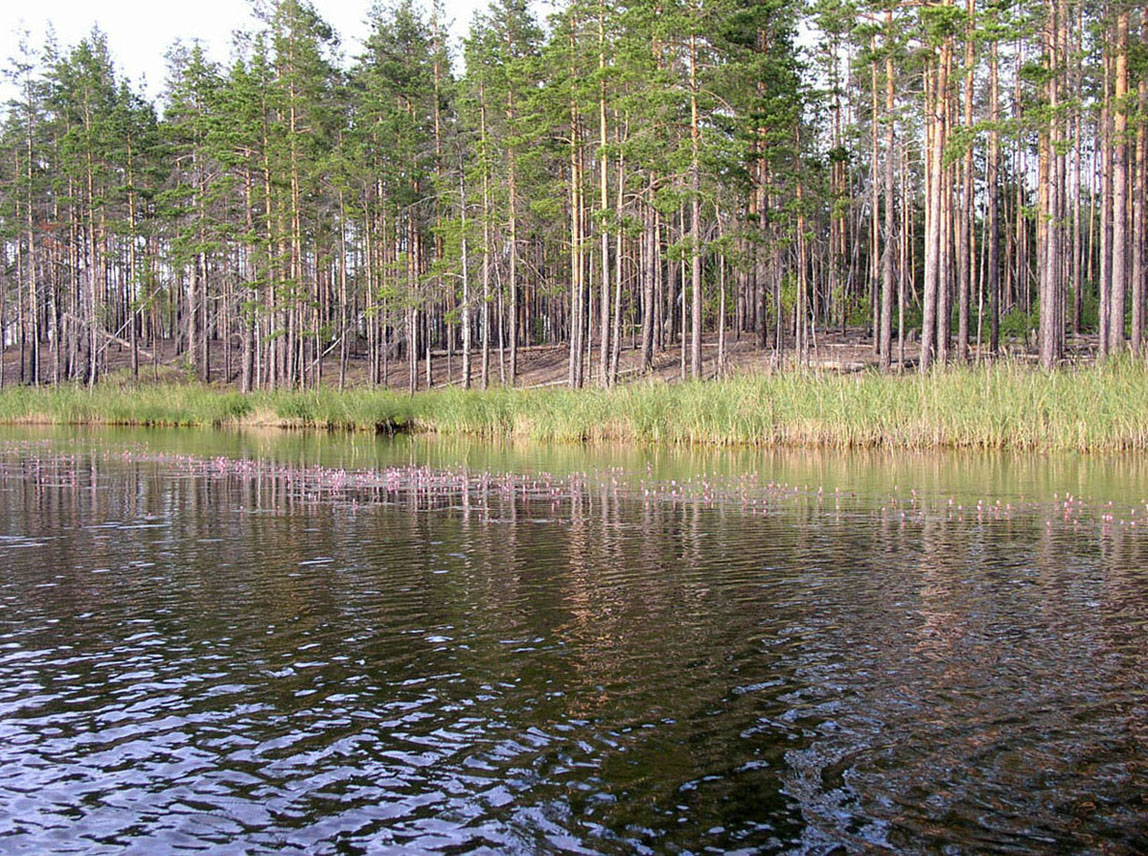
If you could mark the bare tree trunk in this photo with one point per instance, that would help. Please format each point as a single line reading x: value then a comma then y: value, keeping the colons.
x: 344, y: 302
x: 1105, y: 309
x: 616, y: 322
x: 992, y: 197
x: 1120, y: 187
x: 695, y: 219
x: 603, y: 208
x: 904, y: 267
x: 965, y: 268
x: 1077, y: 239
x: 30, y: 237
x: 1140, y: 191
x: 934, y: 319
x: 874, y: 215
x: 1049, y: 226
x: 3, y: 313
x: 486, y: 240
x: 947, y: 249
x: 885, y: 347
x: 801, y: 330
x: 465, y: 320
x: 413, y: 311
x: 512, y: 283
x: 94, y: 268
x: 650, y: 260
x: 577, y: 309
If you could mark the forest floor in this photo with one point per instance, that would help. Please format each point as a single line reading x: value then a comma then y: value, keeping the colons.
x: 538, y: 365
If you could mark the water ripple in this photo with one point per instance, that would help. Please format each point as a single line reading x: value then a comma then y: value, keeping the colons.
x: 221, y: 656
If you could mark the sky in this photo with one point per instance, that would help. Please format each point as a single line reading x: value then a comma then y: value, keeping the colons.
x: 140, y: 33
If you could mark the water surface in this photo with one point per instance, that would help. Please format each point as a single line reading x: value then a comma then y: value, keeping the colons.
x: 237, y: 643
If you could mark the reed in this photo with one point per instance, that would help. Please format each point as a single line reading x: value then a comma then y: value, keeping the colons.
x: 1003, y: 406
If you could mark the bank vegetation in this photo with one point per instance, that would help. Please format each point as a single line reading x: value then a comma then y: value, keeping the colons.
x: 1005, y: 406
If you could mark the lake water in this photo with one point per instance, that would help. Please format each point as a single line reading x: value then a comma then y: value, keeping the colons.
x: 276, y: 643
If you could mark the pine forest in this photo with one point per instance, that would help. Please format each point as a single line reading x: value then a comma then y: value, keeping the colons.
x: 619, y: 181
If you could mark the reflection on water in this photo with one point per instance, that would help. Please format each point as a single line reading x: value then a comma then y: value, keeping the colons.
x: 352, y: 647
x: 968, y: 475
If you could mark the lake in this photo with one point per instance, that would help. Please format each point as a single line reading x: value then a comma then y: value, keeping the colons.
x: 276, y: 643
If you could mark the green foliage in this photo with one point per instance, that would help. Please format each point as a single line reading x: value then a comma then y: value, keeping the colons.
x: 1018, y: 325
x: 293, y: 197
x: 942, y: 21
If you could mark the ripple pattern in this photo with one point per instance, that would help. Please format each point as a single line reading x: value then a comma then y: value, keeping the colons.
x: 200, y: 655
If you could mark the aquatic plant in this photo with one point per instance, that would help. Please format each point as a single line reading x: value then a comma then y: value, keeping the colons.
x: 1009, y: 405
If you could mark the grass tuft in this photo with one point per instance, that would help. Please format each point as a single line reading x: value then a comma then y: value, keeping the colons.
x: 1004, y: 406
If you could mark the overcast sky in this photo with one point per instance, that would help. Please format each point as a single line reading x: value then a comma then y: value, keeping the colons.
x: 139, y: 33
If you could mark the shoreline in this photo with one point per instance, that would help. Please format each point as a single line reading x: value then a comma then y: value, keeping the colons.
x: 1004, y: 406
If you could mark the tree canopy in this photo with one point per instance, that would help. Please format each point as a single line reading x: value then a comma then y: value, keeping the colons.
x: 628, y: 174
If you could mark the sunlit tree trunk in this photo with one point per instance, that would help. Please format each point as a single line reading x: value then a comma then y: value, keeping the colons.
x: 1119, y: 186
x: 885, y: 349
x: 484, y: 322
x: 603, y: 209
x: 965, y: 269
x: 695, y: 218
x: 1139, y: 202
x: 992, y: 202
x: 466, y: 318
x: 1106, y: 157
x: 936, y: 108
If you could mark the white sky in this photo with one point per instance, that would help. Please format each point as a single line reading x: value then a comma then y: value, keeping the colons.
x: 139, y: 33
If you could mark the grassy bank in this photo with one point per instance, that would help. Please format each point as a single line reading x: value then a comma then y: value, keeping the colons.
x: 1006, y: 406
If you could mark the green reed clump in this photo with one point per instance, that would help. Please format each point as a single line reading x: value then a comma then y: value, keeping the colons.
x: 331, y: 409
x: 1007, y: 405
x: 197, y: 405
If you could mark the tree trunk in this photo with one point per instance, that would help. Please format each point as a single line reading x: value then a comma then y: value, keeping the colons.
x: 885, y: 348
x: 486, y: 239
x: 603, y: 209
x: 965, y: 268
x: 992, y: 199
x: 1139, y: 201
x: 1119, y: 187
x: 934, y: 320
x: 650, y: 262
x: 465, y: 320
x: 1106, y: 158
x: 695, y: 219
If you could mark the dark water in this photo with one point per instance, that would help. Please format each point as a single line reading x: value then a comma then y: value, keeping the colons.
x: 356, y: 647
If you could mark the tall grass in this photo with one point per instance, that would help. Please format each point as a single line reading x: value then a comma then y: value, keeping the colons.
x: 1003, y: 406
